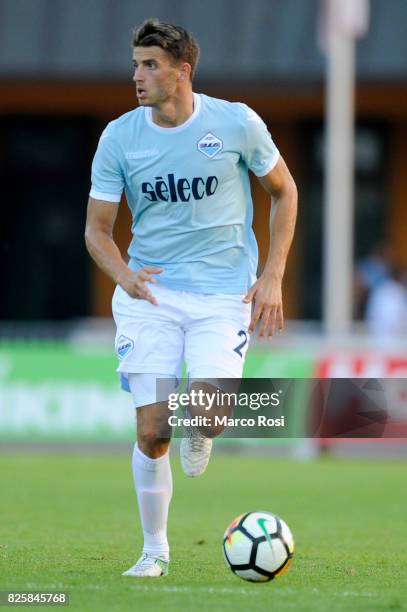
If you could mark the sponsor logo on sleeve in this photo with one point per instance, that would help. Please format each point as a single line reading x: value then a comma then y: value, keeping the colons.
x: 141, y: 154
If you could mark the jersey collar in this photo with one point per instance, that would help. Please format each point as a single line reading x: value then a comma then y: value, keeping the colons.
x: 149, y: 118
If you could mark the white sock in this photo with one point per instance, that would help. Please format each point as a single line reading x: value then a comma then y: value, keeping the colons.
x: 153, y: 482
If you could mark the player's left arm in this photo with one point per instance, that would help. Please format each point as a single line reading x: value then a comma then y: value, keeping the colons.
x: 266, y: 293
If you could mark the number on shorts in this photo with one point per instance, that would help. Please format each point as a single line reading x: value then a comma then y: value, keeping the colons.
x: 239, y: 347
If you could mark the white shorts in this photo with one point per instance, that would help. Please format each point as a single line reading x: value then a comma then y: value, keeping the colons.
x: 207, y: 331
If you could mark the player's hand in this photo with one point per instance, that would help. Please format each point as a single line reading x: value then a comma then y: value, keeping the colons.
x: 135, y: 283
x: 266, y: 295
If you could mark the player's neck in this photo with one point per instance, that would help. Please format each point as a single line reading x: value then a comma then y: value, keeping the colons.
x: 174, y: 112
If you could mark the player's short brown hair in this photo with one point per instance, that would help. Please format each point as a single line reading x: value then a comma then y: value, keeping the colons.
x: 177, y: 41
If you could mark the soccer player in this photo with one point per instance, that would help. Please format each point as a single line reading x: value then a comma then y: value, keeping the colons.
x: 189, y: 292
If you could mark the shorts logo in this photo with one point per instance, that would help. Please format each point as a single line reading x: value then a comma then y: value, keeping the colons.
x: 124, y: 346
x: 209, y: 145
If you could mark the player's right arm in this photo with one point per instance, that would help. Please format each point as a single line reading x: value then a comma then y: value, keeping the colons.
x: 107, y: 187
x: 100, y: 220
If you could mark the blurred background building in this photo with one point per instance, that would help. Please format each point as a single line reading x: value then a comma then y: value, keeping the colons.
x: 65, y: 71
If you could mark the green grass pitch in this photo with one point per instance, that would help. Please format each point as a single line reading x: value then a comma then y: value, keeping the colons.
x: 69, y: 523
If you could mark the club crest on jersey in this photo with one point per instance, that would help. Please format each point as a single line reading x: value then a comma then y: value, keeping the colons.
x: 210, y: 145
x: 124, y: 346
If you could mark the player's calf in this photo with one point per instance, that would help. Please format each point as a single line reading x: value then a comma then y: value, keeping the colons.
x: 153, y: 430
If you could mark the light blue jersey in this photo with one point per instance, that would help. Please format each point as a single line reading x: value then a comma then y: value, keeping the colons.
x: 188, y: 190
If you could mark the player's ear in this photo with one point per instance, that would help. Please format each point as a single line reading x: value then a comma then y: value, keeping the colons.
x: 184, y: 72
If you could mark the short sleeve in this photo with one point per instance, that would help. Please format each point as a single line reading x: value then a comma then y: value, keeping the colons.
x: 107, y: 173
x: 260, y: 153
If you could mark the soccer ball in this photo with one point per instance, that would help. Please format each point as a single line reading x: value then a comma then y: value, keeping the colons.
x: 258, y: 546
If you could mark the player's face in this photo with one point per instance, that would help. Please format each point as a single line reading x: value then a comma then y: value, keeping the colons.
x: 155, y: 75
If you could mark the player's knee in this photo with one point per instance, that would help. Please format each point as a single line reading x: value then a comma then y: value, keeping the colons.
x: 212, y: 422
x: 152, y: 446
x: 211, y: 431
x: 212, y: 413
x: 153, y: 430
